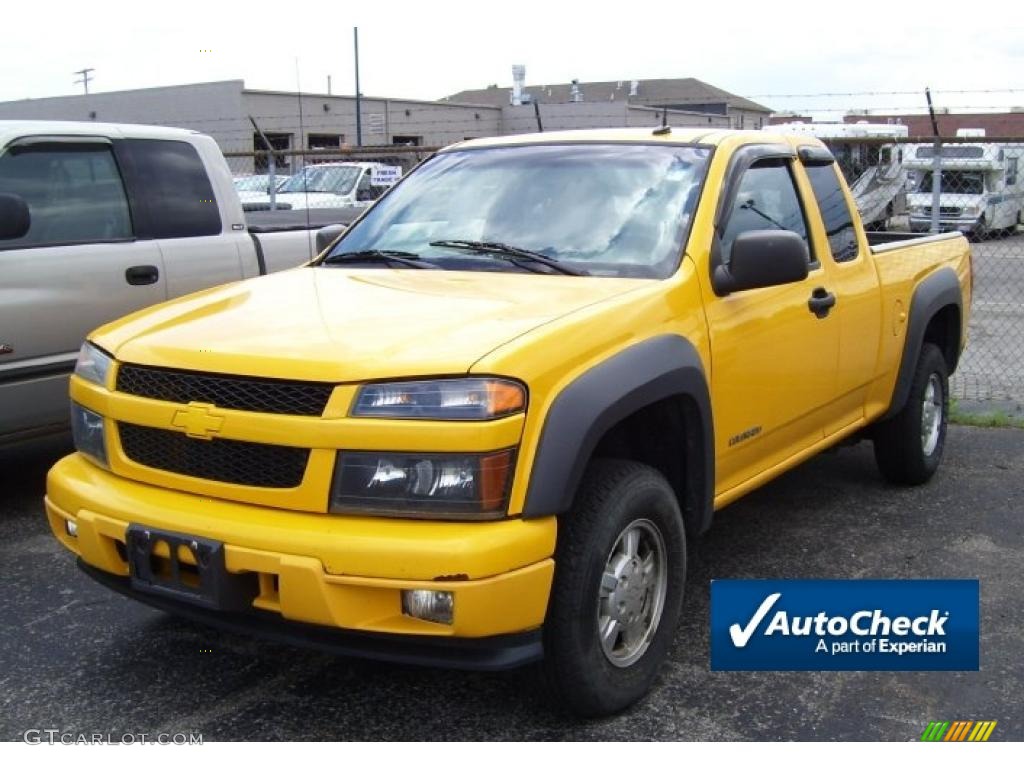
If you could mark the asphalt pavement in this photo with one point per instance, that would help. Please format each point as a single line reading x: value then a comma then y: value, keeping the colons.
x: 78, y: 658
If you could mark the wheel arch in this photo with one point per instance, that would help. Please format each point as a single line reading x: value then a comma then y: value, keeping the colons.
x: 656, y: 388
x: 936, y: 312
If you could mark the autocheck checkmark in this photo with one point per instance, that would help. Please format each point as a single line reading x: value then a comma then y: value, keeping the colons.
x: 741, y: 635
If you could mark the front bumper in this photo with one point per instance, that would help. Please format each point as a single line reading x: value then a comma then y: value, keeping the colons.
x: 924, y: 223
x: 343, y: 573
x: 493, y: 654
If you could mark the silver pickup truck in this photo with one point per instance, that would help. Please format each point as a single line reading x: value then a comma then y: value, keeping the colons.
x: 97, y: 221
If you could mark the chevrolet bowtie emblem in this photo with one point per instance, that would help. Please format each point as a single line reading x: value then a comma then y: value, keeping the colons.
x: 198, y: 421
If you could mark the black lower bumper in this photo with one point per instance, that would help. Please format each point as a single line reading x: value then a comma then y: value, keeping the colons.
x: 479, y: 654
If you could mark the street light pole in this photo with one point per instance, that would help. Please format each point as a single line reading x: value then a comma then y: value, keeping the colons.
x: 359, y: 96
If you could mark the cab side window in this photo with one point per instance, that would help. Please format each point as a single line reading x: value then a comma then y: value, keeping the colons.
x: 767, y: 199
x: 175, y: 189
x: 74, y: 193
x: 835, y: 212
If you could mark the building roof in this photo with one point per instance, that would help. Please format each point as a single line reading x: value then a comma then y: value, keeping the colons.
x: 675, y: 91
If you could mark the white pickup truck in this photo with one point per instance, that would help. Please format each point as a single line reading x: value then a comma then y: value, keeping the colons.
x: 328, y: 185
x: 97, y: 221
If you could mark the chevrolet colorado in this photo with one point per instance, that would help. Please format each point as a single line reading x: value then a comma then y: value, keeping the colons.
x: 479, y: 429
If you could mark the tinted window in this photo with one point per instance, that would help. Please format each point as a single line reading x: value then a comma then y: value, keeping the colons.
x: 835, y: 213
x: 953, y: 151
x: 74, y: 193
x: 177, y: 193
x: 766, y: 199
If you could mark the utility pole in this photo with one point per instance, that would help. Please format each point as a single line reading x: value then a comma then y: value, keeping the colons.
x: 85, y: 78
x: 359, y: 96
x: 936, y: 165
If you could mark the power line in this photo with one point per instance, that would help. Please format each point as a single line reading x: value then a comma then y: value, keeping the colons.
x: 877, y: 93
x: 84, y: 80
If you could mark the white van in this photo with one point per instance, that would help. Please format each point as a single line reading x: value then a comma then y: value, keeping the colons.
x: 981, y: 187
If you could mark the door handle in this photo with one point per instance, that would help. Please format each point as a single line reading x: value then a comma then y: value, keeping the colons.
x: 145, y: 274
x: 821, y: 302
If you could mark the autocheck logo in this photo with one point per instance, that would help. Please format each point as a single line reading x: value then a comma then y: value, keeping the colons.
x: 873, y: 624
x: 807, y: 624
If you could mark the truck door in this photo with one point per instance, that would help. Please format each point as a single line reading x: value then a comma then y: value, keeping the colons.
x: 773, y: 358
x: 853, y: 278
x: 181, y: 213
x: 78, y: 267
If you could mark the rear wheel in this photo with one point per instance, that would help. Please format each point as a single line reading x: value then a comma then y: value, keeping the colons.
x: 620, y: 569
x: 908, y: 446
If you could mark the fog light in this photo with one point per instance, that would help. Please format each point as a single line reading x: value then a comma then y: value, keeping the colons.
x: 72, y: 528
x: 429, y: 605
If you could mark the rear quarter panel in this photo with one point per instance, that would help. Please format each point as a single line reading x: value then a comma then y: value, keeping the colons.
x: 901, y: 268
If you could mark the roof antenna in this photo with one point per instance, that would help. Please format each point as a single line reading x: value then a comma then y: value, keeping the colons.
x: 665, y: 128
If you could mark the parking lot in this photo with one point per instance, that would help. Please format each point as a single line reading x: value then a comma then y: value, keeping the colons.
x: 77, y: 658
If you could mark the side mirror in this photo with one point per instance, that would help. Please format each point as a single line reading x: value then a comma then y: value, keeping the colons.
x: 366, y: 194
x: 15, y: 219
x: 761, y: 258
x: 327, y: 235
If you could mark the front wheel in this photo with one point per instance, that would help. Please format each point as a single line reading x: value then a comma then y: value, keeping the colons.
x: 620, y: 569
x: 908, y: 446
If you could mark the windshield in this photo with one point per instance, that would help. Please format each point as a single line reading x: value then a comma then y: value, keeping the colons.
x: 614, y: 210
x: 334, y: 179
x: 955, y: 182
x: 251, y: 184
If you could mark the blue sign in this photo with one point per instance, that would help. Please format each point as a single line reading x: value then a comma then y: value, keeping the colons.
x: 906, y: 625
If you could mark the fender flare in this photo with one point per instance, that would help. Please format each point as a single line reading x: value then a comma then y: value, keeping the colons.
x: 583, y: 412
x: 939, y: 290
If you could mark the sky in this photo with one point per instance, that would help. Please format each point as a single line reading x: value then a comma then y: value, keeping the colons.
x: 780, y: 54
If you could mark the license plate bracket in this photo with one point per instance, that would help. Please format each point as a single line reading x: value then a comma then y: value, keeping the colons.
x: 207, y: 584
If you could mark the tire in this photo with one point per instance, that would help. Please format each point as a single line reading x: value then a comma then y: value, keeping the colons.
x: 908, y: 449
x: 619, y: 502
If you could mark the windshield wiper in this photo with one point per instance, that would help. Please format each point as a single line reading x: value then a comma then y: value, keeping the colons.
x: 405, y: 258
x: 511, y: 252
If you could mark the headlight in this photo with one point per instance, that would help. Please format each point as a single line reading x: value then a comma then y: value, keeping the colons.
x: 88, y: 433
x: 445, y: 485
x: 459, y: 399
x: 93, y: 364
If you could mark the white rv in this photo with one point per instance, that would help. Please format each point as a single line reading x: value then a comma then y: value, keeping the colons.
x: 874, y: 171
x: 981, y: 189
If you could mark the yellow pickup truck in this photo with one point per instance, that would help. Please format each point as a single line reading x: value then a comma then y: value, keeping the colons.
x: 479, y: 429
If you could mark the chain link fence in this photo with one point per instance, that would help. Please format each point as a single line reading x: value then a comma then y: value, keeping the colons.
x: 343, y: 181
x: 901, y: 184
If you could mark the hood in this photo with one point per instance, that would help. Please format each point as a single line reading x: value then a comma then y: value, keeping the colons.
x: 347, y: 325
